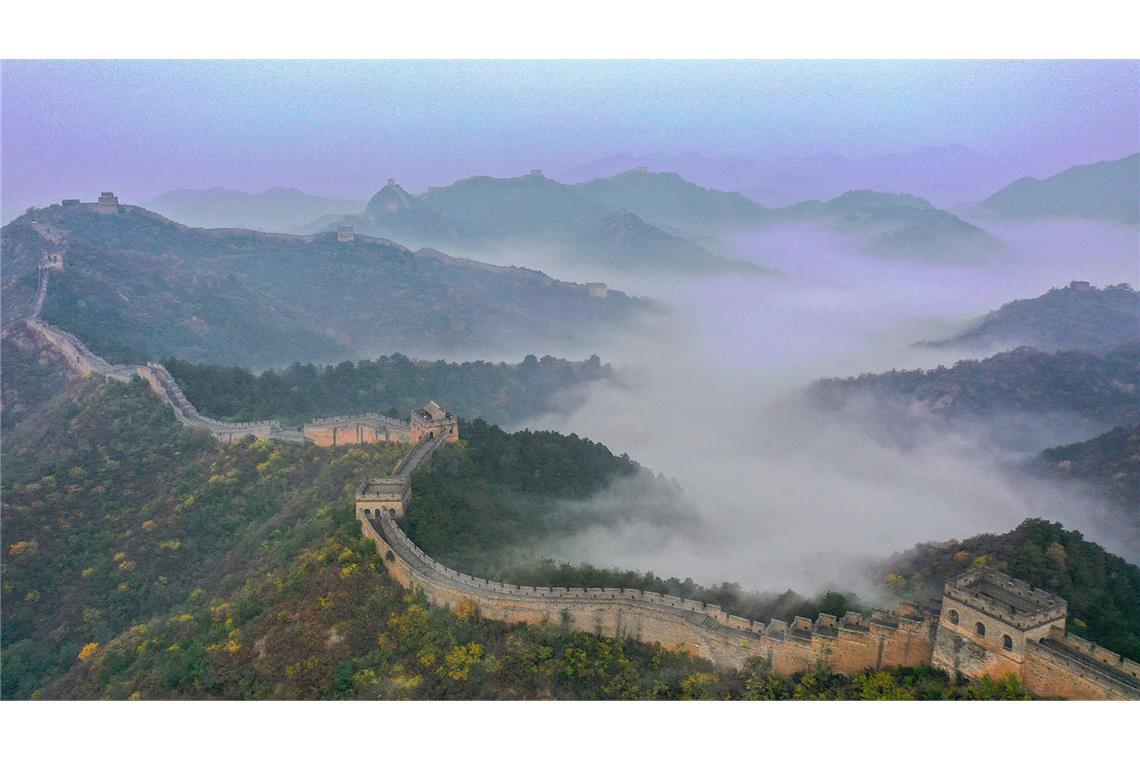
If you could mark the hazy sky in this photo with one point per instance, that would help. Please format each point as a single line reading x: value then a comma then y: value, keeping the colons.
x: 340, y: 128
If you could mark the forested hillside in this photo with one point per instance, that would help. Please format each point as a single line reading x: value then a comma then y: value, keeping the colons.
x: 1098, y: 387
x: 142, y: 560
x: 1075, y: 317
x: 136, y: 285
x: 502, y: 393
x: 1109, y: 463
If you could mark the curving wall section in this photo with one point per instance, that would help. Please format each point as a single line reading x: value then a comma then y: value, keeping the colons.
x: 848, y: 644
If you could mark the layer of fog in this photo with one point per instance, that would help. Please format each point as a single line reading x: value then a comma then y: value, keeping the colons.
x: 786, y: 496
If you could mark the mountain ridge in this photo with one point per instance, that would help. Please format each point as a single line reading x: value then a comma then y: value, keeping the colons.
x: 1077, y: 316
x: 136, y: 285
x: 1107, y: 190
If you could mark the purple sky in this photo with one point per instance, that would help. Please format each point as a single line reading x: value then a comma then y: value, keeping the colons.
x: 340, y: 128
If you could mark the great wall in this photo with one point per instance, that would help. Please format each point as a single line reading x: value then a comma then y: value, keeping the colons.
x: 988, y: 624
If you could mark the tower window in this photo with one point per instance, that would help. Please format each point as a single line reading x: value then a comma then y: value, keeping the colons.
x: 1007, y: 642
x: 981, y: 629
x: 954, y: 617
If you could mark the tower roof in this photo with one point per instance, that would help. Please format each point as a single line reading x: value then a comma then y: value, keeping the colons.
x: 1005, y: 598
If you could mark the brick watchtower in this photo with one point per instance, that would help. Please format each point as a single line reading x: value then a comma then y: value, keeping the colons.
x: 433, y: 421
x: 107, y: 203
x: 987, y: 621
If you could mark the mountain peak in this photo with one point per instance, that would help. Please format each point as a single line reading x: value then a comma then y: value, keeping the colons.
x: 390, y: 199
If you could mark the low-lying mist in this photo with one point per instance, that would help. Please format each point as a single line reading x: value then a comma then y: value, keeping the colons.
x: 785, y: 495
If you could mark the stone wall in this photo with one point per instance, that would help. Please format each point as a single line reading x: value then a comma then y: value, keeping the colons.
x: 847, y: 645
x: 1068, y: 667
x: 364, y: 428
x: 166, y: 388
x: 77, y: 355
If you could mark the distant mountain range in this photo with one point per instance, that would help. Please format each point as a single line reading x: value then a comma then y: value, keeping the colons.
x: 594, y: 223
x: 680, y: 226
x: 947, y: 175
x: 136, y: 286
x: 1108, y: 190
x: 274, y: 210
x: 650, y: 221
x: 1078, y: 316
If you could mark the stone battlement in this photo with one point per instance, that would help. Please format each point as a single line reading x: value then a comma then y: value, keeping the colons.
x: 367, y: 417
x: 686, y: 624
x: 1007, y: 599
x: 1068, y: 666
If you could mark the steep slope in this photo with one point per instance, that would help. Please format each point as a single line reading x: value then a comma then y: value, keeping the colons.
x: 137, y: 285
x: 1079, y: 316
x: 625, y: 242
x: 668, y: 200
x: 898, y: 225
x: 274, y: 210
x: 1108, y: 190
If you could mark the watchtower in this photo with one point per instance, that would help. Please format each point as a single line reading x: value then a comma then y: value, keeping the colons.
x: 345, y: 235
x: 383, y: 494
x: 433, y: 421
x: 52, y: 260
x: 988, y: 618
x: 107, y: 203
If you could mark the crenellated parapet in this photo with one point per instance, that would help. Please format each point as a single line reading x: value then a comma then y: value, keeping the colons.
x: 849, y: 643
x: 165, y: 387
x: 1068, y: 666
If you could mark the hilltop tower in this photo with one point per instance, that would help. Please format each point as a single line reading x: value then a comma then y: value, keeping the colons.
x: 345, y: 235
x: 107, y: 203
x: 989, y: 619
x: 433, y: 421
